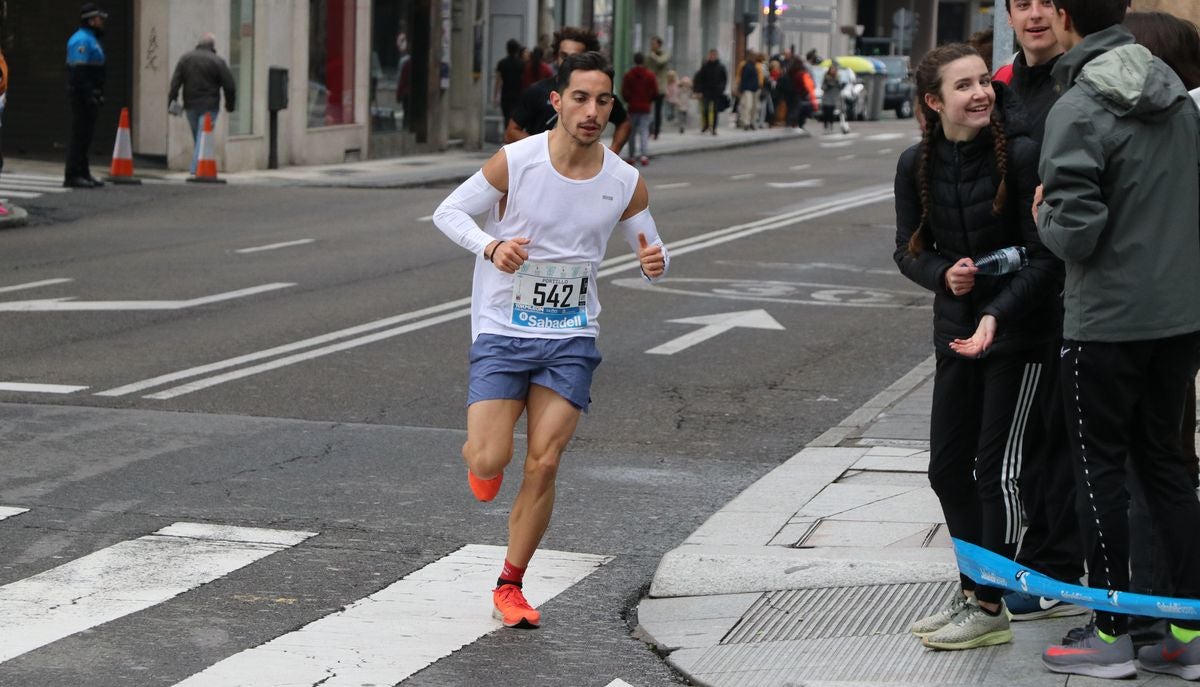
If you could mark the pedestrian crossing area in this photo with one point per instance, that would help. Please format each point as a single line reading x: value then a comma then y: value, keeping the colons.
x: 26, y: 186
x: 382, y: 638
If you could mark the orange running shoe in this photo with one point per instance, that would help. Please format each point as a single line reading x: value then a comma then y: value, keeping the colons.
x: 512, y: 609
x: 484, y: 489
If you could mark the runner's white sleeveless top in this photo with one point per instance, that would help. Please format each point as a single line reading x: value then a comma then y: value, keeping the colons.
x: 568, y: 223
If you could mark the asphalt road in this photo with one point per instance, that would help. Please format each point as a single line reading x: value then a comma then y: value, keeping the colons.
x: 319, y: 386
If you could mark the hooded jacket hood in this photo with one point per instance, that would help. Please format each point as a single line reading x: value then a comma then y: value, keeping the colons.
x: 1130, y: 82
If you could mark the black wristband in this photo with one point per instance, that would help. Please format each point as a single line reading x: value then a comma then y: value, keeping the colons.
x: 494, y: 251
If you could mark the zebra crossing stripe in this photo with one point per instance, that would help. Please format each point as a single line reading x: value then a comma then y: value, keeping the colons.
x: 397, y: 631
x: 9, y: 511
x: 5, y: 184
x: 125, y: 578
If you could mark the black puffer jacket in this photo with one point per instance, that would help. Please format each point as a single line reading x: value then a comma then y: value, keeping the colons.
x: 1026, y: 304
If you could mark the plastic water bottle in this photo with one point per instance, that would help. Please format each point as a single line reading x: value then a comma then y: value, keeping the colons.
x: 1002, y: 261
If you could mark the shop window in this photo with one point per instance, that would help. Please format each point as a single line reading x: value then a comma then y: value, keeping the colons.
x: 330, y: 62
x: 241, y: 63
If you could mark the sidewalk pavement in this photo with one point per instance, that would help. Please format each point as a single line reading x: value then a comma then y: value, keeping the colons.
x: 453, y: 166
x: 813, y: 574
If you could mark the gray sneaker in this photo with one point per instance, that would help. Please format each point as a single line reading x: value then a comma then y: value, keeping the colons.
x: 973, y: 627
x: 1092, y: 656
x: 1172, y: 657
x: 932, y: 623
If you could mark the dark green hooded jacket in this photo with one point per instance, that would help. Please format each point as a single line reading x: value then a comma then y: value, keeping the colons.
x: 1120, y: 164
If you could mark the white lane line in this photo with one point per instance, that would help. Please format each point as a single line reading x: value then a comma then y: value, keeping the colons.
x: 741, y: 177
x: 667, y: 187
x: 798, y: 168
x: 618, y: 683
x: 69, y: 305
x: 41, y: 178
x: 846, y: 157
x: 29, y: 186
x: 40, y: 388
x: 273, y: 246
x: 4, y: 193
x: 837, y: 144
x: 461, y: 307
x: 885, y: 151
x: 426, y: 218
x: 401, y: 629
x: 884, y: 137
x: 32, y: 285
x: 10, y: 511
x: 307, y: 355
x: 126, y: 578
x: 807, y: 183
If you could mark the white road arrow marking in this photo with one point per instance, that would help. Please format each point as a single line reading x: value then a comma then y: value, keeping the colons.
x: 65, y: 304
x: 713, y: 325
x: 9, y: 511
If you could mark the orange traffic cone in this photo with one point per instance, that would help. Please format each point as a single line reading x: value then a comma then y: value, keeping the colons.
x: 206, y: 166
x: 122, y: 159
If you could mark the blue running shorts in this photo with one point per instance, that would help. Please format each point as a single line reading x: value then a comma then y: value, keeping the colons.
x: 503, y: 367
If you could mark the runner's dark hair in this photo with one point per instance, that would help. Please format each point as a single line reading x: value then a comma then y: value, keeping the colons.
x: 573, y: 33
x: 584, y: 61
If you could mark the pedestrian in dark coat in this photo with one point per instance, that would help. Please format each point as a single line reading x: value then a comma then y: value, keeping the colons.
x: 85, y: 90
x: 710, y: 82
x: 203, y: 75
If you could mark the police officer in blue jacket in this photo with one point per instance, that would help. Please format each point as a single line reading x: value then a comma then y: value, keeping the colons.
x: 85, y: 90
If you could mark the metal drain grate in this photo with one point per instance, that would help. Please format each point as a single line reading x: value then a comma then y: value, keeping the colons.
x: 866, y: 611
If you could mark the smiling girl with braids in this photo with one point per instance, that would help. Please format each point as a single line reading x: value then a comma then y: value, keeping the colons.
x: 963, y: 191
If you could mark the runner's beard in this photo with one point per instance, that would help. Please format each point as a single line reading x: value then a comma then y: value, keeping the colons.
x: 576, y: 137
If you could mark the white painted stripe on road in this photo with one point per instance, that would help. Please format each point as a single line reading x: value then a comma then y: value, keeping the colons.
x: 741, y: 177
x: 126, y: 578
x: 607, y: 268
x: 618, y: 683
x: 4, y: 193
x: 40, y: 388
x: 798, y: 168
x: 273, y: 246
x: 286, y: 348
x: 667, y: 187
x: 28, y: 186
x: 837, y: 144
x: 885, y: 151
x: 32, y: 285
x: 401, y: 629
x: 807, y: 183
x: 846, y: 157
x: 10, y: 511
x: 426, y: 218
x: 307, y: 355
x: 884, y: 137
x: 39, y: 178
x: 70, y: 305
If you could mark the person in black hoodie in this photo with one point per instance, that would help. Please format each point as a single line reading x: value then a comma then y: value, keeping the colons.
x: 960, y: 193
x: 710, y: 83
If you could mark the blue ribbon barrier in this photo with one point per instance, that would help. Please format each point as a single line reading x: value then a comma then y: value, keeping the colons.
x: 986, y: 567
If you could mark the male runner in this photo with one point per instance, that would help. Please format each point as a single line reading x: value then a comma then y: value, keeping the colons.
x: 552, y: 201
x: 534, y: 113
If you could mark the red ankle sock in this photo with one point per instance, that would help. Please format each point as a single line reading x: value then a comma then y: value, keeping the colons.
x: 511, y: 574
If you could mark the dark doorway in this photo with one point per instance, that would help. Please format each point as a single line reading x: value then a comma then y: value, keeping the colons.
x: 34, y: 36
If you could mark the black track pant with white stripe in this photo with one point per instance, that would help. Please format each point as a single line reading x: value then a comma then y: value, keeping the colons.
x: 983, y: 422
x: 1126, y: 399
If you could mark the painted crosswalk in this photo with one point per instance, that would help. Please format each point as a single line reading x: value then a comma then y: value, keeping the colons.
x: 373, y: 640
x: 25, y: 186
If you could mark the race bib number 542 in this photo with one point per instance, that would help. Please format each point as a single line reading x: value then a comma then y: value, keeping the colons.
x: 549, y: 295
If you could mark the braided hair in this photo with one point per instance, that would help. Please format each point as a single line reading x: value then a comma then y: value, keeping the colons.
x: 929, y: 82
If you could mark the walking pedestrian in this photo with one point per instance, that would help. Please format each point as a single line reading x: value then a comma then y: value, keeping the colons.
x: 961, y: 193
x: 684, y: 95
x: 508, y: 79
x: 85, y: 90
x: 203, y: 76
x: 1119, y: 166
x: 831, y: 97
x: 710, y: 83
x: 749, y: 82
x: 552, y: 202
x: 535, y: 68
x: 658, y: 60
x: 639, y: 88
x: 1052, y: 543
x: 535, y: 113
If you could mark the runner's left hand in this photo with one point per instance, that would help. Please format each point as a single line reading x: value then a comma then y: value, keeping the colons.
x: 978, y: 344
x: 651, y: 257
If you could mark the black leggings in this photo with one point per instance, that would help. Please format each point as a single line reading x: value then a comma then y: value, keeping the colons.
x: 983, y: 422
